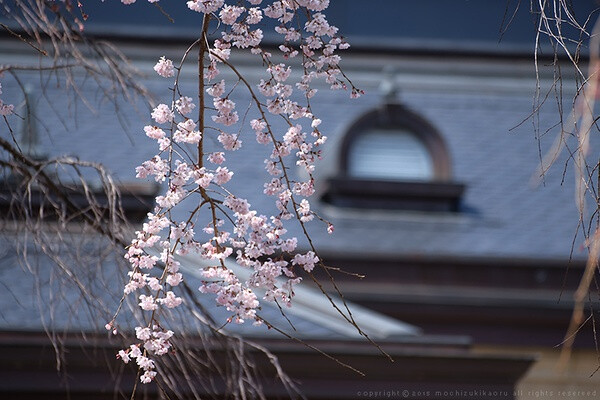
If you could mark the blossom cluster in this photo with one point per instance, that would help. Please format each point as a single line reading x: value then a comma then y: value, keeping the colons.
x: 156, y: 341
x: 258, y: 242
x: 5, y: 109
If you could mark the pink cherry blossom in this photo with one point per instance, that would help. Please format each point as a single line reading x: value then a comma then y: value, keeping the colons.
x: 170, y: 300
x: 182, y: 165
x: 222, y: 175
x: 205, y: 6
x: 164, y: 67
x: 229, y: 14
x: 216, y: 157
x: 217, y: 89
x: 154, y: 132
x: 185, y: 105
x: 162, y: 114
x: 6, y: 109
x: 147, y: 303
x: 229, y: 142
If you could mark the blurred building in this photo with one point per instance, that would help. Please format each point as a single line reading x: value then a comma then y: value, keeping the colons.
x: 430, y: 181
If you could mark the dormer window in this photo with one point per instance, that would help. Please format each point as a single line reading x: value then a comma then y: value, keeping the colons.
x: 390, y: 154
x: 22, y: 197
x: 392, y: 158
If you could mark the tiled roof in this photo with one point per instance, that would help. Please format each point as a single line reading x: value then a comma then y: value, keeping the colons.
x: 503, y: 214
x: 38, y: 294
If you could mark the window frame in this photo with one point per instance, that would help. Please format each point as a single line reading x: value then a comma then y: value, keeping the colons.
x: 396, y: 116
x: 440, y: 194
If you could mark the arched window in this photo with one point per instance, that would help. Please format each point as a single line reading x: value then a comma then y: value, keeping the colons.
x: 390, y: 154
x: 393, y: 158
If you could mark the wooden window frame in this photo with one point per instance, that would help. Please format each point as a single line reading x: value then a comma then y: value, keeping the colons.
x: 439, y: 194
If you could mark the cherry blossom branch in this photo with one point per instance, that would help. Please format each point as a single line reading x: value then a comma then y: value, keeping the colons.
x: 259, y: 242
x: 349, y: 317
x: 203, y: 48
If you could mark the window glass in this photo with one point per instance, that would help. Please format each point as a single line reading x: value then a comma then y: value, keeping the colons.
x: 390, y: 154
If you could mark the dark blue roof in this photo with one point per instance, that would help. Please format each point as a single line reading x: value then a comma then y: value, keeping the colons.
x: 37, y: 295
x: 503, y: 215
x: 471, y: 25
